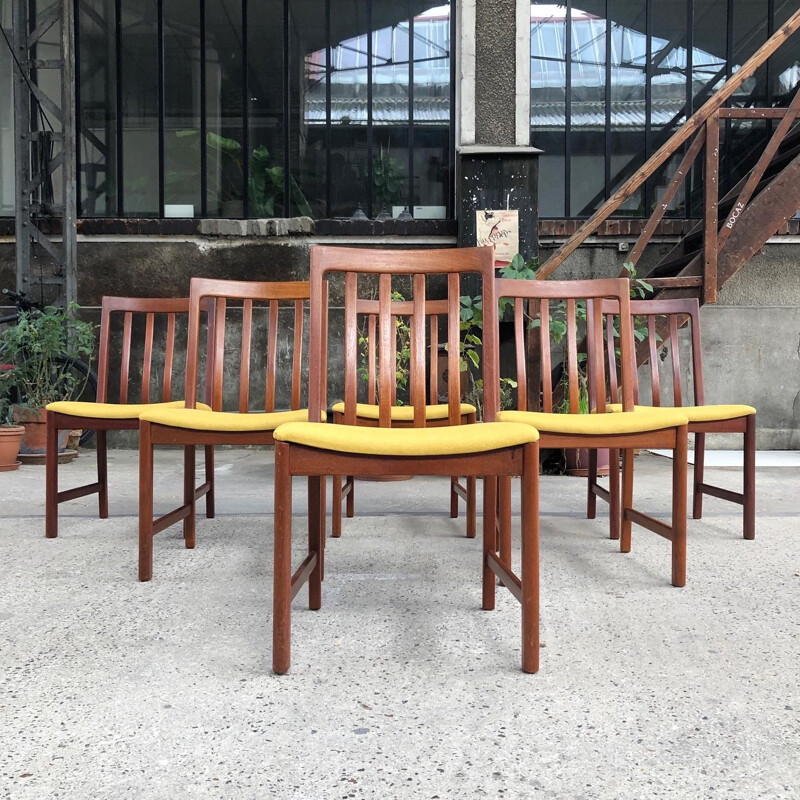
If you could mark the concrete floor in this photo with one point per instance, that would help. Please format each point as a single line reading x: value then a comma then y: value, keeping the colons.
x: 401, y: 687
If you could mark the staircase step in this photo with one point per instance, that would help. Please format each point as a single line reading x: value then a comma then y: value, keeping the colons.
x: 682, y: 282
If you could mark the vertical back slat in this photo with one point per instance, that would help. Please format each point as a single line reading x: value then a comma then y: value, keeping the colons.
x: 522, y: 366
x: 434, y: 359
x: 417, y: 363
x: 386, y: 350
x: 655, y: 380
x: 147, y: 364
x: 677, y: 389
x: 272, y: 357
x: 244, y: 357
x: 297, y: 353
x: 572, y: 359
x: 102, y: 359
x: 611, y: 357
x: 595, y: 357
x: 350, y: 348
x: 220, y: 308
x: 453, y: 349
x: 125, y: 366
x: 393, y: 361
x: 169, y: 356
x: 372, y: 327
x: 544, y: 340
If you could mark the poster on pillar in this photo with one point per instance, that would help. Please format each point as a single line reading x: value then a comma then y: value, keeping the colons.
x: 501, y: 229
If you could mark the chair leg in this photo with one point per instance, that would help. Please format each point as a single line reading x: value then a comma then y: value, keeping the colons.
x: 489, y: 541
x: 699, y: 469
x: 613, y: 494
x: 529, y: 572
x: 51, y: 479
x: 316, y: 512
x: 282, y: 575
x: 189, y: 472
x: 627, y: 501
x: 145, y: 502
x: 351, y: 497
x: 504, y: 504
x: 679, y: 476
x: 453, y: 497
x: 749, y: 478
x: 209, y: 476
x: 591, y: 497
x: 102, y: 473
x: 336, y: 507
x: 472, y: 511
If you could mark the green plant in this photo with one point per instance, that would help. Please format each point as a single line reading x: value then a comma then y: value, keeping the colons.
x: 265, y: 183
x: 387, y: 179
x: 39, y: 350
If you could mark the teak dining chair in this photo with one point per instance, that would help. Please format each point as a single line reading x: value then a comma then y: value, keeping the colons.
x: 662, y: 319
x: 402, y: 416
x: 192, y: 426
x: 486, y: 449
x: 142, y: 320
x: 536, y: 325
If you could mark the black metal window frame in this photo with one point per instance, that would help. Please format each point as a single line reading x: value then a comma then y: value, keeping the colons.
x: 119, y: 177
x: 649, y: 188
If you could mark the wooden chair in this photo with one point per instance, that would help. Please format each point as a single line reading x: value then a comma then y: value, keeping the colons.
x: 534, y: 335
x: 136, y: 389
x: 192, y: 426
x: 482, y: 449
x: 663, y: 318
x: 401, y: 416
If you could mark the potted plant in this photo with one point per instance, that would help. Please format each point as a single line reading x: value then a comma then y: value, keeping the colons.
x: 39, y: 354
x: 10, y: 437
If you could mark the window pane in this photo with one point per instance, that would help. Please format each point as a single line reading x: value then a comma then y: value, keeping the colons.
x: 265, y: 74
x: 182, y: 143
x: 432, y: 111
x: 6, y: 122
x: 97, y: 108
x: 548, y: 103
x: 223, y: 54
x: 139, y: 87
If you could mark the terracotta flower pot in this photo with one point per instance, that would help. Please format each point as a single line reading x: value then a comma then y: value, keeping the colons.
x: 34, y: 441
x: 10, y: 438
x: 578, y: 461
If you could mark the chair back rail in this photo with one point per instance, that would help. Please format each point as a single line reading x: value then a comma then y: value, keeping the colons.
x: 359, y: 269
x: 249, y: 297
x: 542, y: 309
x: 159, y: 315
x: 662, y: 320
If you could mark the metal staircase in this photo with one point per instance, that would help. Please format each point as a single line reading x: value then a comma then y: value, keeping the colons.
x: 733, y: 228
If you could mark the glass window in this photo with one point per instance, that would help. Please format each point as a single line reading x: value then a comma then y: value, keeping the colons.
x: 6, y: 121
x: 266, y: 108
x: 612, y: 80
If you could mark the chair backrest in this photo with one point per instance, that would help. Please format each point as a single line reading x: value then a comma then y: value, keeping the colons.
x: 418, y: 273
x: 146, y: 323
x: 402, y: 312
x: 558, y: 342
x: 656, y: 323
x: 259, y: 302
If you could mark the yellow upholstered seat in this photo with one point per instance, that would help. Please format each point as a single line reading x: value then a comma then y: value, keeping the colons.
x: 596, y: 424
x: 456, y: 440
x: 404, y: 413
x: 207, y: 420
x: 113, y: 410
x: 695, y: 413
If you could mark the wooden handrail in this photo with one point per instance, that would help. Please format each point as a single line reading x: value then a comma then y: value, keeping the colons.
x: 694, y: 123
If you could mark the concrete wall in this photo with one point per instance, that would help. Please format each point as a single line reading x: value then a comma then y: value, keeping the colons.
x: 751, y: 337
